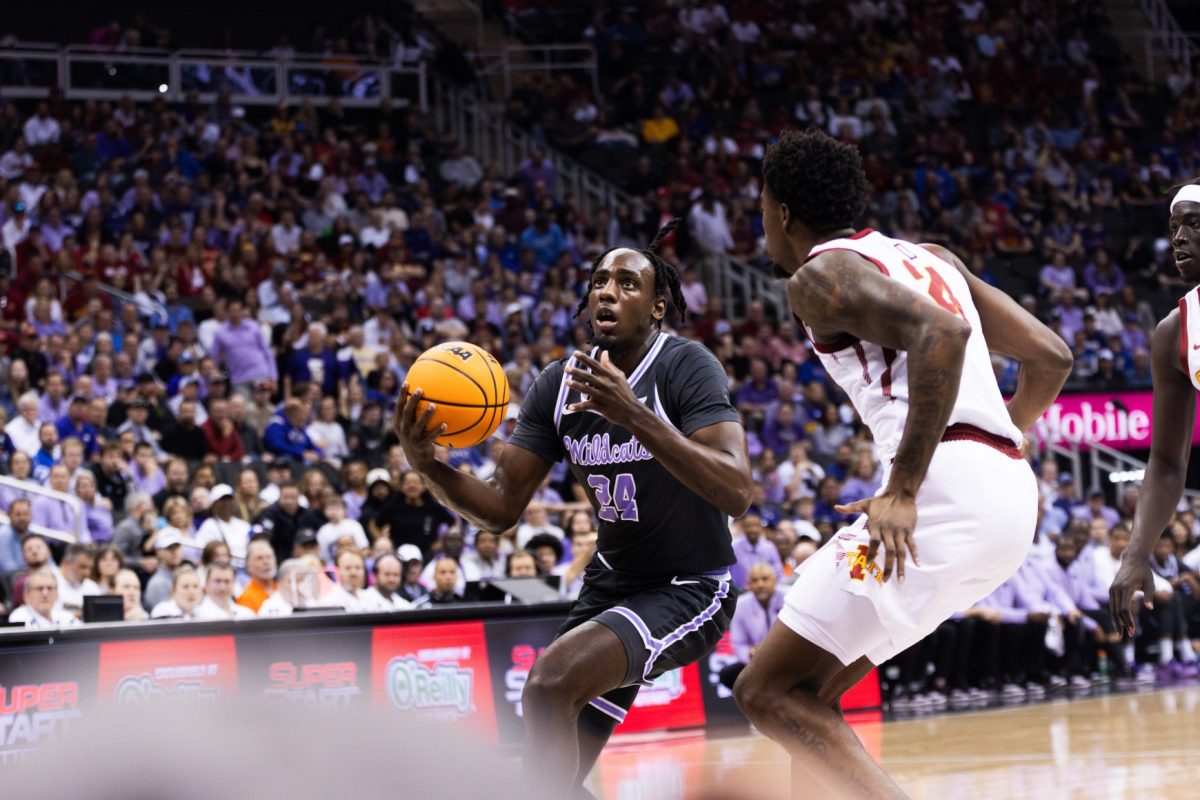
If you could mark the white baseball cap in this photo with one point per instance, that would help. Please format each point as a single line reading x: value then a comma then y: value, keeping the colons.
x: 220, y: 491
x: 409, y: 552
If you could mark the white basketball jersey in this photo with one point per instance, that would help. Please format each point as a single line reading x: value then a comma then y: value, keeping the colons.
x: 1189, y: 335
x: 876, y: 378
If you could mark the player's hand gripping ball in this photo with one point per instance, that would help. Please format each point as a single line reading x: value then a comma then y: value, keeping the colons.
x: 467, y: 387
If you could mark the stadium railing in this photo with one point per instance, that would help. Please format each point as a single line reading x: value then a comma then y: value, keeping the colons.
x: 76, y: 505
x: 31, y: 70
x: 484, y: 130
x: 1166, y: 37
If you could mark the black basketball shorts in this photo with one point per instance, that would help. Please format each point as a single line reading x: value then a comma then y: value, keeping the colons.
x: 664, y: 623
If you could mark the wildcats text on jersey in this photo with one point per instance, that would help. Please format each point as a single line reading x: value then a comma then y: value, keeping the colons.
x: 596, y: 450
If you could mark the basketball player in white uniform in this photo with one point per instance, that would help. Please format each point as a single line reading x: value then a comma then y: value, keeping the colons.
x: 1175, y: 363
x: 905, y: 330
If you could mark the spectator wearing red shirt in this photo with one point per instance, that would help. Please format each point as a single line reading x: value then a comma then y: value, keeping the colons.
x: 224, y: 441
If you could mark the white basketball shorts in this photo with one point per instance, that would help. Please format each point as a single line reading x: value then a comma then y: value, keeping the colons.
x: 976, y: 515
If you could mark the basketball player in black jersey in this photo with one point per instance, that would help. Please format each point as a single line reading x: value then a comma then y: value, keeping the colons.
x: 646, y: 424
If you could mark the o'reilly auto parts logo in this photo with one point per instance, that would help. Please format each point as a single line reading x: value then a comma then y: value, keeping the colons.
x: 445, y: 689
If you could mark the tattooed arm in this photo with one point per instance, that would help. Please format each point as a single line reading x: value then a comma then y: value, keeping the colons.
x: 840, y: 293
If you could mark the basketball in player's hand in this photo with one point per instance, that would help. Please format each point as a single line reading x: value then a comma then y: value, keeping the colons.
x: 467, y: 387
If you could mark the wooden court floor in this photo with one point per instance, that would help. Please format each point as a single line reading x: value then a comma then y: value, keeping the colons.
x: 1119, y: 746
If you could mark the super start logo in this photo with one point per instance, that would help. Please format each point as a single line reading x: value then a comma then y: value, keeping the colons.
x: 445, y: 688
x: 31, y: 714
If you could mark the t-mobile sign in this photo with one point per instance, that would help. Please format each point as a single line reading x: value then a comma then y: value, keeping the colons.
x: 1122, y: 420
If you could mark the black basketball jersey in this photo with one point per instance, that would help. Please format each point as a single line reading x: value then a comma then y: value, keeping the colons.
x: 649, y: 521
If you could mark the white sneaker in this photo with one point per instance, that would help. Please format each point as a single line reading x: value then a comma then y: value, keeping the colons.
x: 936, y: 699
x: 1080, y: 684
x: 1012, y: 691
x: 1056, y: 683
x: 1035, y: 690
x: 959, y: 698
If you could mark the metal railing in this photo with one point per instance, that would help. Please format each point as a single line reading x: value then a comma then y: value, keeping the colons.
x: 1104, y: 466
x: 30, y: 70
x: 147, y: 306
x: 75, y: 504
x: 1166, y: 37
x: 440, y: 9
x: 485, y: 131
x: 519, y: 59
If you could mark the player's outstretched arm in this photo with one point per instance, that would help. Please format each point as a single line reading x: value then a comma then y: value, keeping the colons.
x: 839, y: 292
x: 1012, y: 331
x: 493, y: 505
x: 1170, y: 444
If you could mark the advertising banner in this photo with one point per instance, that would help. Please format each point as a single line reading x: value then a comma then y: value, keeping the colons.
x: 437, y: 671
x: 718, y: 701
x: 513, y: 645
x: 43, y: 691
x: 674, y: 700
x: 324, y: 668
x: 1121, y: 420
x: 193, y: 668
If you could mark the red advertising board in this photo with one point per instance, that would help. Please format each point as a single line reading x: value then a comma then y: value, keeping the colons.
x: 1122, y: 420
x: 674, y: 700
x: 200, y: 668
x: 435, y: 672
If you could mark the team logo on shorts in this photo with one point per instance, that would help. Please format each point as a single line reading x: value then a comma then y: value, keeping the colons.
x: 854, y: 558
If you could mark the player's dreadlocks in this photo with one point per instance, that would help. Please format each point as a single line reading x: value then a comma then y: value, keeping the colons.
x: 666, y: 276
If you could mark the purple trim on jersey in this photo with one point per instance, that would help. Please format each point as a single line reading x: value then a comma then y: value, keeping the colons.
x: 689, y: 627
x: 640, y: 626
x: 649, y: 359
x: 562, y: 394
x: 611, y: 709
x: 657, y: 646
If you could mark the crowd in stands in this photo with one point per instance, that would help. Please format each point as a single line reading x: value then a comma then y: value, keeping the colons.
x: 1059, y: 202
x: 223, y: 423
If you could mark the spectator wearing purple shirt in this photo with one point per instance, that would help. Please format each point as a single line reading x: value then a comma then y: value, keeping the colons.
x: 752, y: 548
x: 758, y: 393
x: 52, y: 513
x: 1102, y: 275
x: 240, y: 344
x: 757, y: 610
x: 536, y: 169
x: 54, y: 403
x: 1096, y: 507
x: 864, y: 483
x: 1068, y: 318
x: 144, y: 470
x: 97, y: 510
x: 371, y: 182
x: 1057, y: 278
x: 782, y: 430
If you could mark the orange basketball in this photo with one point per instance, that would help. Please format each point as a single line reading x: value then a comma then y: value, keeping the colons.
x: 469, y: 388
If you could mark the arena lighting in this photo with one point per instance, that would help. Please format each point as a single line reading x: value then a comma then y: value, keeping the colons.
x: 1126, y: 476
x: 162, y: 88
